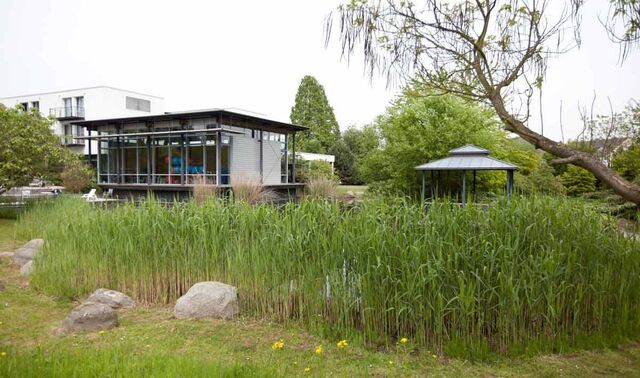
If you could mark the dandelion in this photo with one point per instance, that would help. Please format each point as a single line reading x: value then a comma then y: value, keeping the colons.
x: 319, y: 349
x: 434, y: 356
x: 342, y: 344
x: 2, y: 354
x: 390, y: 362
x: 307, y: 369
x: 404, y: 340
x: 0, y: 323
x: 101, y: 332
x: 278, y: 345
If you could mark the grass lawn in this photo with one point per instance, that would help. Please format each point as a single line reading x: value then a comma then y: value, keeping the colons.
x: 343, y: 189
x: 149, y: 342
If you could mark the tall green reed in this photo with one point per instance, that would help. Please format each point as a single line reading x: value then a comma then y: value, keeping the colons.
x: 538, y: 273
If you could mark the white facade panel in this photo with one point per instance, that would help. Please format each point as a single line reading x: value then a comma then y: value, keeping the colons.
x: 245, y: 157
x: 272, y: 162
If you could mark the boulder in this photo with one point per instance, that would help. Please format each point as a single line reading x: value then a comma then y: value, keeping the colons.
x: 28, y: 251
x: 90, y: 316
x: 23, y: 255
x: 34, y: 244
x: 349, y: 193
x: 27, y: 268
x: 208, y: 300
x: 111, y: 298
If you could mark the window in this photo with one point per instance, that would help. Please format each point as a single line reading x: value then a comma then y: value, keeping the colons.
x: 24, y: 106
x: 133, y: 103
x: 36, y: 105
x: 68, y: 110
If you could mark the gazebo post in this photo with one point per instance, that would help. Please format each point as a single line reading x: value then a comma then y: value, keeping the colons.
x: 422, y: 192
x: 464, y: 188
x: 509, y: 184
x: 432, y: 186
x: 473, y: 197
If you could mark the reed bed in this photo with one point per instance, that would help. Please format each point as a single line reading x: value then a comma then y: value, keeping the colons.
x: 538, y: 274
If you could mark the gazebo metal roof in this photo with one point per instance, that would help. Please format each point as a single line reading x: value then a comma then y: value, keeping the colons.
x: 467, y: 158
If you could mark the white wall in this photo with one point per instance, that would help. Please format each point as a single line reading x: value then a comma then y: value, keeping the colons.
x: 245, y: 156
x: 99, y: 103
x: 271, y: 163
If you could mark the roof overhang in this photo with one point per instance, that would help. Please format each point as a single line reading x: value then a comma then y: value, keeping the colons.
x: 228, y: 118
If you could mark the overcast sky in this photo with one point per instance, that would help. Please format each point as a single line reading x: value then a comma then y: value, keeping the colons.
x: 249, y: 55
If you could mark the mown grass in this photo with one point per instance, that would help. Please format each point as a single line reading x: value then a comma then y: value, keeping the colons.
x: 540, y: 274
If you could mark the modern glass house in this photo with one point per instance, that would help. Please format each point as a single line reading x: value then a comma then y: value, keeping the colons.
x: 167, y: 153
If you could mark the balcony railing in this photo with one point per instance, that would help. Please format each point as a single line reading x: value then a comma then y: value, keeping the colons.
x: 71, y: 140
x: 67, y: 112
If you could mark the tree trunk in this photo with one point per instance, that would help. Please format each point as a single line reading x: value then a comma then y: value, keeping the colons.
x: 620, y: 185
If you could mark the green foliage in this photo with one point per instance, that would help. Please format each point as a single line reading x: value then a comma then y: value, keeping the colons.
x: 578, y: 181
x: 539, y: 274
x: 360, y: 142
x: 77, y: 176
x: 345, y: 164
x: 417, y: 129
x: 312, y: 110
x: 308, y: 169
x: 28, y: 148
x: 627, y: 163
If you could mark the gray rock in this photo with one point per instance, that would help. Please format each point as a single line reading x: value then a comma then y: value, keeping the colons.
x: 28, y: 251
x: 111, y: 298
x: 90, y: 316
x: 23, y: 255
x: 34, y: 244
x: 27, y: 268
x: 349, y: 193
x: 208, y: 300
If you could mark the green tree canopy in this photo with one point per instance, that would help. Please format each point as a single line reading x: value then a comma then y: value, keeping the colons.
x: 417, y: 129
x: 312, y: 110
x: 28, y: 148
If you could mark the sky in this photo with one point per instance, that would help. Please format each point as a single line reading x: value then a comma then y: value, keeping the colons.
x: 252, y: 55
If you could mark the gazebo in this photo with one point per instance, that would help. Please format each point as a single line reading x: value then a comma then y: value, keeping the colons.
x: 463, y: 159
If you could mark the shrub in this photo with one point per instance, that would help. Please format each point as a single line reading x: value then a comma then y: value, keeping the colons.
x: 202, y: 191
x: 321, y: 188
x: 250, y: 190
x: 308, y: 169
x: 578, y: 181
x: 77, y: 176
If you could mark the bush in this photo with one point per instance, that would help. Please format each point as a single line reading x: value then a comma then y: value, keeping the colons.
x: 77, y: 177
x: 321, y: 188
x: 202, y: 191
x: 578, y: 181
x: 538, y: 274
x: 250, y: 190
x: 308, y: 169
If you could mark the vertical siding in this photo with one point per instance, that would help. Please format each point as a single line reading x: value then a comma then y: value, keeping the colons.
x: 245, y: 156
x: 272, y: 162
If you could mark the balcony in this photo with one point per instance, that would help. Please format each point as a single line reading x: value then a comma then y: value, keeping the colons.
x: 67, y: 113
x: 71, y: 140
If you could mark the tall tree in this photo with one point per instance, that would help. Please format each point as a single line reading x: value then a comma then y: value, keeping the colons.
x: 28, y: 148
x: 312, y: 110
x: 485, y: 50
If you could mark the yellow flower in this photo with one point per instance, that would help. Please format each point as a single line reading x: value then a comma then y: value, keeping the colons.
x: 307, y: 369
x: 2, y: 354
x: 101, y: 332
x: 319, y: 349
x: 404, y: 340
x: 278, y: 345
x: 342, y: 344
x: 390, y: 362
x: 434, y: 356
x: 0, y: 323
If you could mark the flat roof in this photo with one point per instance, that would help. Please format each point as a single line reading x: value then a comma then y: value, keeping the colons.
x: 256, y: 122
x: 80, y: 89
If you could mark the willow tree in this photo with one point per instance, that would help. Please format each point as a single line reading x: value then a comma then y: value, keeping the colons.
x: 489, y: 51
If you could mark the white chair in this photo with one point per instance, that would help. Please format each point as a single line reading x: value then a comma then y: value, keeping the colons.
x: 91, y: 196
x: 108, y: 193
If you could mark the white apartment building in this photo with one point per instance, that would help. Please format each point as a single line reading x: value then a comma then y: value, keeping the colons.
x: 100, y: 102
